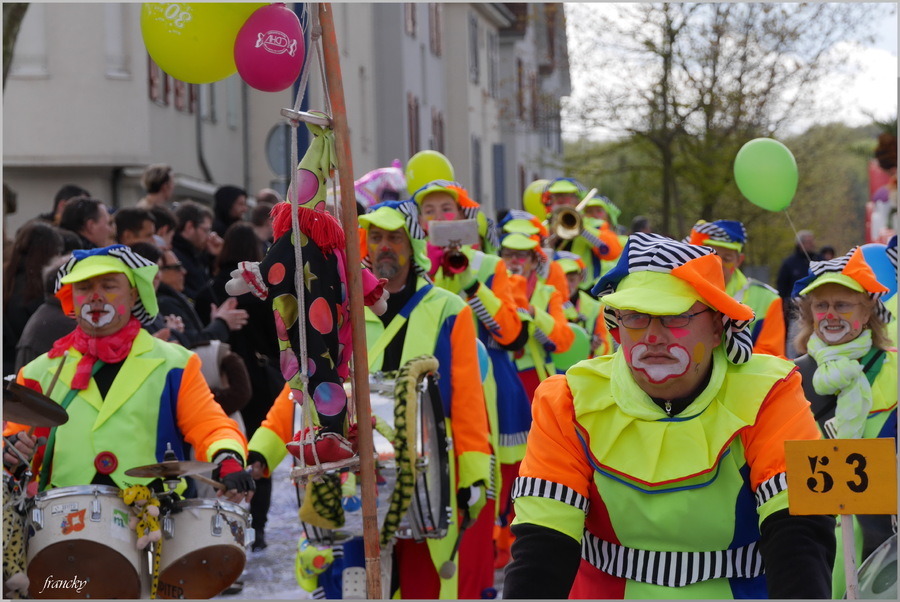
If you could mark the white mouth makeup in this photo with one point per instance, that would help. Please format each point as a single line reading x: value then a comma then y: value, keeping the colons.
x: 98, y: 319
x: 833, y: 333
x: 660, y: 373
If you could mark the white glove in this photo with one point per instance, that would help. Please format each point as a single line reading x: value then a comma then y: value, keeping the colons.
x: 237, y: 285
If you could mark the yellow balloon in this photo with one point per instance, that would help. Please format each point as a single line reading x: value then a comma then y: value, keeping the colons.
x: 532, y: 199
x: 194, y: 42
x: 426, y: 166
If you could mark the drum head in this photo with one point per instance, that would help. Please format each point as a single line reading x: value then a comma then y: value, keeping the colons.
x: 429, y: 510
x: 203, y: 573
x: 58, y: 570
x: 878, y: 574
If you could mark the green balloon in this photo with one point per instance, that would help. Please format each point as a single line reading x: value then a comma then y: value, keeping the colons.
x: 580, y: 349
x: 766, y: 173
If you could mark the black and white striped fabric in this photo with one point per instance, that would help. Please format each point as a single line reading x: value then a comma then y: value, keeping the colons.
x: 656, y: 253
x: 483, y: 315
x: 671, y: 569
x: 836, y: 266
x: 131, y: 259
x: 532, y: 487
x: 891, y: 251
x: 770, y: 488
x: 513, y: 439
x: 713, y: 231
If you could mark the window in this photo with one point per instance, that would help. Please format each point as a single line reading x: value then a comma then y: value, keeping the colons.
x: 473, y: 48
x: 476, y: 167
x: 437, y: 130
x: 493, y: 63
x: 30, y: 59
x: 535, y: 104
x: 435, y: 43
x: 409, y: 18
x: 412, y: 116
x: 520, y: 89
x: 182, y: 102
x: 158, y: 83
x: 116, y: 48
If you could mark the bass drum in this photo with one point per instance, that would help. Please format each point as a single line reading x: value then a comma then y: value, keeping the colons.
x: 878, y: 574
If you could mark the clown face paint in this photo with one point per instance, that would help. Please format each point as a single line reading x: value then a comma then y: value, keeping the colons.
x: 391, y: 253
x: 839, y: 314
x: 671, y: 362
x: 438, y: 206
x: 660, y: 366
x: 103, y: 303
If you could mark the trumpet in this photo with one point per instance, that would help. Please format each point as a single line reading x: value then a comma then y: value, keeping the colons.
x: 455, y: 261
x: 565, y: 222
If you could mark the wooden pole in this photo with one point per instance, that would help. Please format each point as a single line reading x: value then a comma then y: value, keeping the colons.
x: 849, y: 547
x: 355, y: 291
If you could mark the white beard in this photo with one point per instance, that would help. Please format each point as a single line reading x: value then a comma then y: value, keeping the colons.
x: 832, y: 336
x: 109, y: 313
x: 660, y: 373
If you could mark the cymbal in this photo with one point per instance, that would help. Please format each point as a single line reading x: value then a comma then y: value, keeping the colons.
x: 26, y: 406
x: 171, y: 469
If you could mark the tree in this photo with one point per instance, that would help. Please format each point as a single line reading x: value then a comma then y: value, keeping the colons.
x: 13, y: 13
x: 697, y: 81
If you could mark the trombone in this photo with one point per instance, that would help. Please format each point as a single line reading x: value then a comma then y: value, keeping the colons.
x: 566, y: 221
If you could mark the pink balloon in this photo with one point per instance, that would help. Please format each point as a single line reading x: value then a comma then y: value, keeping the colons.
x: 269, y: 48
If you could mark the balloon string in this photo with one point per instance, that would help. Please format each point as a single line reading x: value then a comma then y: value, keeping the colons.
x: 796, y: 235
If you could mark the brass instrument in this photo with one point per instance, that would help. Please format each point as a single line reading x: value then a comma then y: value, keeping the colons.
x: 565, y: 222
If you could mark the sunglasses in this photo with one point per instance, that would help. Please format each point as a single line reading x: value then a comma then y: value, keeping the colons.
x: 174, y: 266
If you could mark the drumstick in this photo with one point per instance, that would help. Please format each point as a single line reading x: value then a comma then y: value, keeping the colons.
x: 209, y: 481
x: 52, y: 383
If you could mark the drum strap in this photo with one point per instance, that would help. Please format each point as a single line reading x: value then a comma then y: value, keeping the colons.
x: 377, y: 349
x: 51, y: 440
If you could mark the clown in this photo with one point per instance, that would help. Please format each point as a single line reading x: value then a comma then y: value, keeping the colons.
x: 659, y: 471
x: 850, y: 368
x: 727, y: 238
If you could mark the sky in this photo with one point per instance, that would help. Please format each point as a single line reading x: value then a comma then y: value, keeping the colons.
x: 869, y: 90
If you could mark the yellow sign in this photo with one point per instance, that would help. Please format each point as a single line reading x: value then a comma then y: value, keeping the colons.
x: 842, y: 476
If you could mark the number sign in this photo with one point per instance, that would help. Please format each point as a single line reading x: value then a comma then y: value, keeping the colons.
x: 842, y: 476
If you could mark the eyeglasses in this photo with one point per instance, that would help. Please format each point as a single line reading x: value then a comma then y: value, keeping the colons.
x: 523, y: 255
x: 174, y: 266
x: 841, y: 307
x: 643, y: 320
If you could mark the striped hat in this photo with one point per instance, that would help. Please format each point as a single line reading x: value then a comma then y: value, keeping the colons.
x: 568, y: 261
x: 85, y: 264
x: 661, y: 276
x: 850, y: 270
x: 727, y: 233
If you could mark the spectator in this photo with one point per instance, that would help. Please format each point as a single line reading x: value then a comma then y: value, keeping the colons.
x: 167, y: 327
x: 134, y: 225
x: 36, y: 243
x: 826, y: 253
x: 230, y: 207
x: 90, y: 220
x: 48, y: 323
x: 166, y: 223
x: 223, y: 319
x: 256, y: 344
x: 191, y: 245
x: 793, y: 268
x: 62, y: 196
x: 640, y: 223
x: 159, y: 183
x: 261, y: 219
x: 268, y: 195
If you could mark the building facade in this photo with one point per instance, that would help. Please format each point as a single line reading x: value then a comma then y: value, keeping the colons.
x: 479, y: 82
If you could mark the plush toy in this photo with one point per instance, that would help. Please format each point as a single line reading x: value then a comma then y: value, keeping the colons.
x: 146, y: 514
x: 310, y: 562
x: 15, y: 578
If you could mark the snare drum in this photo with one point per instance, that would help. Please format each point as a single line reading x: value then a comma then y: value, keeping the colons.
x: 204, y: 548
x: 80, y: 546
